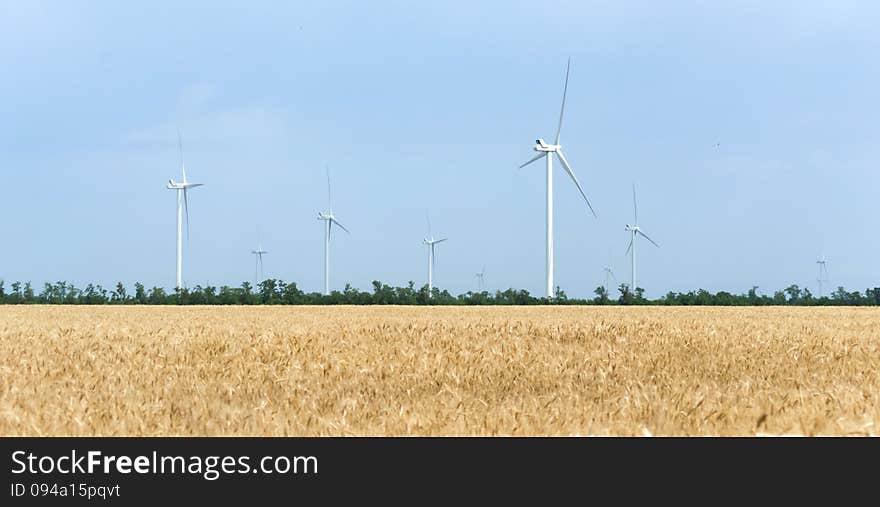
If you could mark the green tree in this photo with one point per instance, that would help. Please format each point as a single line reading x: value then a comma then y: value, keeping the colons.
x: 559, y: 295
x: 779, y: 298
x: 626, y: 296
x: 753, y: 297
x: 247, y: 294
x: 601, y: 295
x: 28, y: 294
x: 119, y: 296
x: 15, y: 296
x: 268, y: 292
x: 291, y: 295
x: 140, y: 295
x: 157, y: 296
x: 639, y: 297
x: 794, y: 293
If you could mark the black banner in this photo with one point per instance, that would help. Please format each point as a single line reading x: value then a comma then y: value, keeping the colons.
x: 125, y: 471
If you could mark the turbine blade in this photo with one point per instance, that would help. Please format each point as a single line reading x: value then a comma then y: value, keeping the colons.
x: 433, y: 257
x: 428, y: 218
x: 333, y: 220
x: 440, y: 240
x: 630, y: 245
x: 194, y: 185
x: 649, y: 239
x: 329, y: 200
x: 574, y: 178
x: 635, y: 207
x: 536, y: 157
x: 180, y: 148
x: 564, y: 92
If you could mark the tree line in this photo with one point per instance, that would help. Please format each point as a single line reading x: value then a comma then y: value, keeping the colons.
x: 278, y: 292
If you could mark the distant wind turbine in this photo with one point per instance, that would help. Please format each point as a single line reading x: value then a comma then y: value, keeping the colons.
x: 546, y: 151
x: 636, y: 231
x: 430, y: 241
x: 258, y: 270
x: 823, y: 272
x: 481, y: 277
x: 182, y: 203
x: 609, y: 271
x: 330, y: 219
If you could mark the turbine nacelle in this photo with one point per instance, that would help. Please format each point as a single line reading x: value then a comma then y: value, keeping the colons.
x: 632, y: 228
x: 173, y: 185
x: 325, y: 216
x: 541, y: 145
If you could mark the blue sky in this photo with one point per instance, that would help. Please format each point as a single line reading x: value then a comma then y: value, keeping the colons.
x: 417, y: 106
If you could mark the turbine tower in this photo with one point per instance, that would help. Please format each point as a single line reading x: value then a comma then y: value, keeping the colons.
x: 635, y: 230
x: 258, y: 257
x: 546, y: 151
x: 823, y: 273
x: 182, y: 203
x: 430, y: 241
x: 330, y: 219
x: 481, y: 277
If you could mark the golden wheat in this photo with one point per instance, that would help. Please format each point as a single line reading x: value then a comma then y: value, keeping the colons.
x: 438, y: 371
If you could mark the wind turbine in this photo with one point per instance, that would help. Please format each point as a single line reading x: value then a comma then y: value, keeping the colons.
x: 635, y: 230
x: 430, y: 241
x: 481, y: 276
x: 823, y: 273
x: 546, y: 151
x: 258, y: 270
x: 330, y: 219
x: 609, y: 271
x: 182, y: 203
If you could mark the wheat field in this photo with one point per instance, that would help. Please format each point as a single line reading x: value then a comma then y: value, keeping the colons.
x: 301, y: 371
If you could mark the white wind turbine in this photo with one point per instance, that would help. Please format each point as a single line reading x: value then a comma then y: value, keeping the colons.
x: 823, y: 273
x: 635, y: 230
x: 609, y: 271
x: 182, y: 203
x: 547, y: 150
x: 430, y: 241
x: 481, y: 277
x: 330, y: 219
x: 258, y: 257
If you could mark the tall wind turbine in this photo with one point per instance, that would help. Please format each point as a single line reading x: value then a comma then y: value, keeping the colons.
x: 182, y: 203
x: 258, y: 257
x: 430, y: 241
x: 546, y: 151
x: 823, y: 272
x: 635, y: 230
x: 330, y: 219
x: 481, y: 277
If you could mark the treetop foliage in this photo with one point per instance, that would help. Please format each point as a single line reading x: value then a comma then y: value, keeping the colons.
x: 278, y: 292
